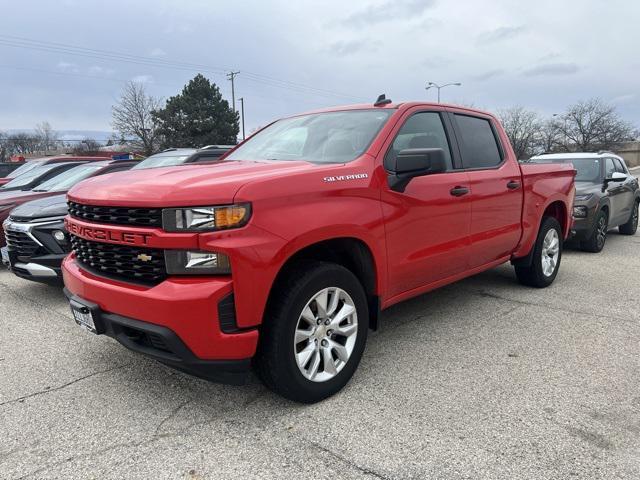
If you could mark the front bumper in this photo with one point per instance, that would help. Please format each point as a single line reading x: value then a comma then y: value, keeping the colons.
x: 162, y: 344
x: 186, y: 306
x: 583, y: 227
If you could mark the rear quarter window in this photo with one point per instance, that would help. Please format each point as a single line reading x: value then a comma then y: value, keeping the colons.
x: 480, y: 148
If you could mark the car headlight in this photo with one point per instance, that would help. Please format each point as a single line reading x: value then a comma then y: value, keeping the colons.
x: 184, y: 262
x: 205, y: 219
x: 583, y: 198
x: 580, y: 212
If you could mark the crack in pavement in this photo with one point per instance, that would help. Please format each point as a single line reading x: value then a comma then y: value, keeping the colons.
x: 366, y: 470
x: 484, y: 293
x: 60, y: 387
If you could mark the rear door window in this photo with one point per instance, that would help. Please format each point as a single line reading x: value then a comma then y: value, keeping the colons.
x: 421, y: 130
x: 480, y: 148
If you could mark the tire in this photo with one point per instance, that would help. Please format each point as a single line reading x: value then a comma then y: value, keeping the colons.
x: 631, y: 226
x: 547, y: 255
x: 288, y: 338
x: 598, y: 237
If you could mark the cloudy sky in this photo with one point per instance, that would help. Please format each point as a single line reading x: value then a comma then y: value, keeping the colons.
x: 64, y: 61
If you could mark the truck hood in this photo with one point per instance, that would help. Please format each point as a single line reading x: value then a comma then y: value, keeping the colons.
x: 186, y: 185
x: 41, y: 208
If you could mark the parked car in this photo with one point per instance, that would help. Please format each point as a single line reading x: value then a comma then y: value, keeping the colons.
x: 24, y: 167
x: 607, y: 196
x: 184, y: 156
x: 284, y: 253
x: 6, y: 168
x: 21, y: 242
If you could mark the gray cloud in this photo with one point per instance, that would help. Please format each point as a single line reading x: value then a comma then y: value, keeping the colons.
x: 389, y: 10
x: 498, y: 34
x: 349, y: 47
x: 488, y: 75
x: 552, y: 69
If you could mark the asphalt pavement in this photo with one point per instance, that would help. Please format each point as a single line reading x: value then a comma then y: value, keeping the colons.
x: 483, y: 379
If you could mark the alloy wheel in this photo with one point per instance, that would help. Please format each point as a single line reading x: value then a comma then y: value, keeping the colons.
x: 550, y: 252
x: 601, y: 231
x: 325, y: 334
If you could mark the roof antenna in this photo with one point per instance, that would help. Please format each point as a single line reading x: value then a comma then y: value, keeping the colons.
x: 382, y: 100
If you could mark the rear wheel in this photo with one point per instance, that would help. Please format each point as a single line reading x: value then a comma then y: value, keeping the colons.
x: 595, y: 242
x: 314, y: 334
x: 631, y: 226
x: 547, y: 254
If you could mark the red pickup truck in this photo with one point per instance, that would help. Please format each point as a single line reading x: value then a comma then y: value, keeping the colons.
x: 283, y: 254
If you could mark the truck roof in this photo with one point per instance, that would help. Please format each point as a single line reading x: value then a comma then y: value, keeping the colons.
x: 573, y: 155
x: 395, y: 106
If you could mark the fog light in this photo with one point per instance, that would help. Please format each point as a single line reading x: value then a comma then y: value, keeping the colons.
x: 580, y: 212
x: 183, y: 262
x: 60, y: 236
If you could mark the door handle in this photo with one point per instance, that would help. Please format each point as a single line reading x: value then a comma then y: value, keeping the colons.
x: 512, y: 185
x: 459, y: 191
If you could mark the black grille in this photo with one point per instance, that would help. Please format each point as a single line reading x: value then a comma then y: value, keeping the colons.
x: 143, y: 217
x: 21, y: 243
x: 121, y: 262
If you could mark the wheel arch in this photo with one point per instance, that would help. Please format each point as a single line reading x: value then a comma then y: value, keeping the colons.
x: 353, y: 253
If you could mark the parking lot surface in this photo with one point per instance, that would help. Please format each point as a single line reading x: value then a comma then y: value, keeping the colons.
x: 481, y: 379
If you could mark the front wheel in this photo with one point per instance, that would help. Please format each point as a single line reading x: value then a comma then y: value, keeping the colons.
x: 547, y: 253
x: 314, y: 332
x: 598, y: 237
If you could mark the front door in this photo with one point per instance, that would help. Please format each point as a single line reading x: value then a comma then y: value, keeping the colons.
x: 427, y: 225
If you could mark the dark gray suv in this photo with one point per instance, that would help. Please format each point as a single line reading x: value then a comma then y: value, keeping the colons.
x: 607, y: 196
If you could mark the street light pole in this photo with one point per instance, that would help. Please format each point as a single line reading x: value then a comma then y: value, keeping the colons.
x: 440, y: 87
x: 242, y: 112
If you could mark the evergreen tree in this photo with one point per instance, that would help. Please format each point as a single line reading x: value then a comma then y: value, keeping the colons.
x: 197, y: 117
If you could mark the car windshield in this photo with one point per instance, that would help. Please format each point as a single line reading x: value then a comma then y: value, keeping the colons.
x: 23, y: 169
x: 67, y: 179
x: 156, y: 161
x: 588, y: 168
x: 28, y: 177
x: 330, y: 137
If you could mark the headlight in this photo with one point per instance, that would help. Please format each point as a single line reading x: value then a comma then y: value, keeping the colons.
x: 205, y: 219
x: 183, y: 262
x: 580, y: 212
x: 583, y: 198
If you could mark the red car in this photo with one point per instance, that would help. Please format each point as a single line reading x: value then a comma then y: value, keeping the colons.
x: 283, y: 254
x: 58, y: 184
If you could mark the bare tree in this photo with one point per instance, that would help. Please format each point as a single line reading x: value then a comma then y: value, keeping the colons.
x: 523, y: 128
x: 132, y: 116
x: 46, y: 135
x: 549, y: 137
x: 86, y: 146
x: 22, y: 143
x: 593, y: 125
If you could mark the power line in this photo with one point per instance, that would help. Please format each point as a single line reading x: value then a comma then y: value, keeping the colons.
x: 26, y: 43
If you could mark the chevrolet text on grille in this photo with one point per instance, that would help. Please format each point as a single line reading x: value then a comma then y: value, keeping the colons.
x: 92, y: 233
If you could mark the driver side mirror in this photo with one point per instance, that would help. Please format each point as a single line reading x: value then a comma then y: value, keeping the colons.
x: 415, y: 162
x: 616, y: 177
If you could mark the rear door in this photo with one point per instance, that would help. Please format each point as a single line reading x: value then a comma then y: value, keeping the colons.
x: 496, y: 189
x: 427, y: 226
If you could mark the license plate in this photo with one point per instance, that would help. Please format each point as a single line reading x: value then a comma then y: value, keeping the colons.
x: 84, y: 317
x: 4, y: 251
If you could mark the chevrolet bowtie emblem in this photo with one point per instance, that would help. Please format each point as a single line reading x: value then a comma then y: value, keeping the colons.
x: 143, y: 257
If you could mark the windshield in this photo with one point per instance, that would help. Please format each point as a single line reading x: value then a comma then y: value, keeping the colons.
x: 23, y: 169
x: 67, y: 179
x: 588, y: 168
x: 156, y: 161
x: 27, y: 178
x: 331, y: 137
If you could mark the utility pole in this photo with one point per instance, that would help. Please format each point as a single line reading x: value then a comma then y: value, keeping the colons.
x: 440, y: 87
x: 231, y: 76
x: 242, y: 111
